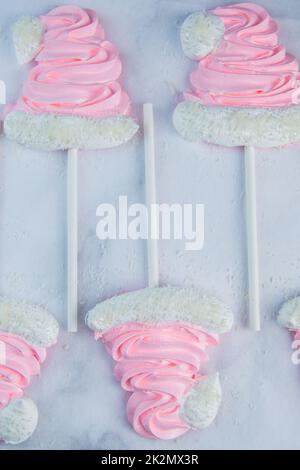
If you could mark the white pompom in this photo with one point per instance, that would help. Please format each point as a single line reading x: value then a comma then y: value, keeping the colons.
x: 27, y: 37
x: 202, y: 403
x: 18, y: 421
x: 200, y: 34
x: 289, y: 314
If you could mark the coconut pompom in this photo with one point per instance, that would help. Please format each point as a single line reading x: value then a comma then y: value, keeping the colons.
x: 27, y: 37
x: 289, y: 314
x: 200, y: 34
x: 18, y: 421
x: 202, y: 403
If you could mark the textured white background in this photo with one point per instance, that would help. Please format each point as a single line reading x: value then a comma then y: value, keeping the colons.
x: 81, y: 405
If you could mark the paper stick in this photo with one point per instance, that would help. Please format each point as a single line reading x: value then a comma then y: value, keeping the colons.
x: 252, y: 244
x: 150, y: 183
x: 72, y: 240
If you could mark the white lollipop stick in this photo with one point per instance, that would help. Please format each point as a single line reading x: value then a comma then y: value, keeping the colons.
x: 72, y: 240
x: 150, y: 183
x: 252, y: 245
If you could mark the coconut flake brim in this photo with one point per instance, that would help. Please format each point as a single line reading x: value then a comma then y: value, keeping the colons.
x: 32, y: 322
x: 55, y: 132
x: 235, y: 126
x: 18, y: 421
x: 289, y: 314
x: 161, y: 305
x: 202, y: 403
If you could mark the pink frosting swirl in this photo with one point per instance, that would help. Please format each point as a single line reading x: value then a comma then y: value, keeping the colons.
x: 158, y: 364
x: 249, y: 68
x: 296, y: 334
x: 77, y: 70
x: 20, y: 361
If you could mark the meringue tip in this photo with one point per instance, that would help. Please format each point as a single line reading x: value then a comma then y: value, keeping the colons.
x: 202, y: 403
x: 200, y: 34
x: 27, y: 38
x: 289, y: 314
x: 18, y: 421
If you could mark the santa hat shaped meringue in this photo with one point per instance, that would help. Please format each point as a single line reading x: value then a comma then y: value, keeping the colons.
x: 26, y: 331
x: 289, y: 317
x: 158, y: 338
x: 246, y: 89
x: 72, y: 97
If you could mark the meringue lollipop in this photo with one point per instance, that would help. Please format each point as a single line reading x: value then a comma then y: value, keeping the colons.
x: 158, y: 337
x: 71, y: 100
x: 245, y: 92
x: 289, y: 317
x: 26, y: 332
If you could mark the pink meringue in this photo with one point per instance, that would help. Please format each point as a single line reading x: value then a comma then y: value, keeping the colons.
x: 77, y: 70
x: 158, y: 365
x: 21, y: 362
x: 250, y: 67
x: 72, y: 97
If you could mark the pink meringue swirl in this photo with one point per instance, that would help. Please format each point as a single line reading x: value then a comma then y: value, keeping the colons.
x: 296, y: 334
x: 77, y: 70
x: 18, y: 362
x: 249, y: 68
x: 158, y: 364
